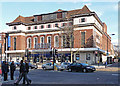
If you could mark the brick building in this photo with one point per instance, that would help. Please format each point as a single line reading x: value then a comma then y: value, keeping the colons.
x: 40, y: 33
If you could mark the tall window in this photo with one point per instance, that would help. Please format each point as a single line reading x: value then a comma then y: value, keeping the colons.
x: 64, y: 41
x: 87, y: 56
x: 14, y: 43
x: 49, y: 41
x: 35, y: 42
x: 42, y: 42
x: 28, y: 42
x: 56, y: 41
x: 82, y: 39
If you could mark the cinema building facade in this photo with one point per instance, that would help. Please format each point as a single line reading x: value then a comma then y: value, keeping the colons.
x: 40, y: 33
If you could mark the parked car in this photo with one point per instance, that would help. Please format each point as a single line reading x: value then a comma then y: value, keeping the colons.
x: 80, y: 67
x: 63, y: 66
x: 48, y: 66
x: 32, y: 66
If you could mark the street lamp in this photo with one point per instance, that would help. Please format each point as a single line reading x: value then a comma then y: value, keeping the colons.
x: 107, y: 43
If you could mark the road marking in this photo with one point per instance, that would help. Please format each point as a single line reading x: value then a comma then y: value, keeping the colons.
x: 115, y: 74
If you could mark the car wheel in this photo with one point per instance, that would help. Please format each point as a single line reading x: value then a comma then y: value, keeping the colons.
x: 70, y: 70
x: 84, y: 70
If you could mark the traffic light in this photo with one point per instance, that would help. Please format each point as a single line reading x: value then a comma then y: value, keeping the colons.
x: 27, y: 52
x: 56, y: 52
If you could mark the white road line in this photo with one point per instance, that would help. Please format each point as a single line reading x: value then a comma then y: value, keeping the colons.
x: 115, y: 74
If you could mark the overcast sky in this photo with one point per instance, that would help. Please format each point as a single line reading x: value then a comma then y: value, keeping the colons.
x: 107, y: 11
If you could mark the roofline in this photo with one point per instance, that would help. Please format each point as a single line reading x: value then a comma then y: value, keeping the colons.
x: 49, y: 13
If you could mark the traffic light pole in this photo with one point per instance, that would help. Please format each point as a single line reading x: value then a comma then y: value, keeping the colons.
x: 53, y: 57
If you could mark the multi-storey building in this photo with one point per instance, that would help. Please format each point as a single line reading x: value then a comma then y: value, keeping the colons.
x: 39, y: 33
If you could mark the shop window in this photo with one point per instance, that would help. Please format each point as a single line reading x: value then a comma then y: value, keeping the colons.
x: 87, y: 56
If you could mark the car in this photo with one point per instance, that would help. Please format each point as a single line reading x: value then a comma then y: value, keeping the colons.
x: 83, y: 67
x: 32, y: 66
x: 48, y: 66
x: 63, y: 66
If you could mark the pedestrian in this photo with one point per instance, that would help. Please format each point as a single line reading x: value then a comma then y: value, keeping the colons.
x: 105, y: 64
x: 3, y: 67
x: 27, y: 70
x: 5, y: 70
x: 22, y: 74
x: 12, y: 69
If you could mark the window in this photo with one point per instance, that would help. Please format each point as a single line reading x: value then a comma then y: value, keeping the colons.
x: 29, y: 28
x: 64, y: 41
x: 63, y: 24
x: 35, y: 27
x: 56, y: 25
x: 49, y: 26
x: 42, y: 26
x: 82, y: 39
x: 28, y: 42
x: 49, y: 41
x: 15, y: 27
x: 35, y: 42
x: 77, y: 56
x: 87, y: 56
x: 56, y: 41
x: 0, y: 45
x: 82, y: 19
x: 42, y: 42
x: 0, y: 37
x: 14, y: 43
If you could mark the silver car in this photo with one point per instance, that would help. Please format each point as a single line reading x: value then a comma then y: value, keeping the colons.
x: 63, y: 66
x: 48, y: 66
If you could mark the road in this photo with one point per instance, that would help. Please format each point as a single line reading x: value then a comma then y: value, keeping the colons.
x: 40, y: 76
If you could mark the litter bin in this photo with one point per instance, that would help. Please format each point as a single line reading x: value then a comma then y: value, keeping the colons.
x: 55, y: 68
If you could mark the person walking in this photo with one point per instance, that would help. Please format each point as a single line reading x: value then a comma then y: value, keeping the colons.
x: 5, y: 70
x: 23, y: 74
x: 27, y: 70
x: 12, y: 69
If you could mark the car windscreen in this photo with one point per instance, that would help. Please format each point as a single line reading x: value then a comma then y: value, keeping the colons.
x: 84, y: 64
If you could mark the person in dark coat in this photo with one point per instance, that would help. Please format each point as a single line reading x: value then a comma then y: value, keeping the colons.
x: 3, y: 67
x: 5, y: 70
x: 12, y: 69
x: 23, y: 73
x: 27, y: 70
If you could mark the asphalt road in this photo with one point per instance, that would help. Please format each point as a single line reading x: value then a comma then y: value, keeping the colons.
x: 40, y: 76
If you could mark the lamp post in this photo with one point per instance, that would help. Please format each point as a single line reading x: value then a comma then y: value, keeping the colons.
x: 107, y: 44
